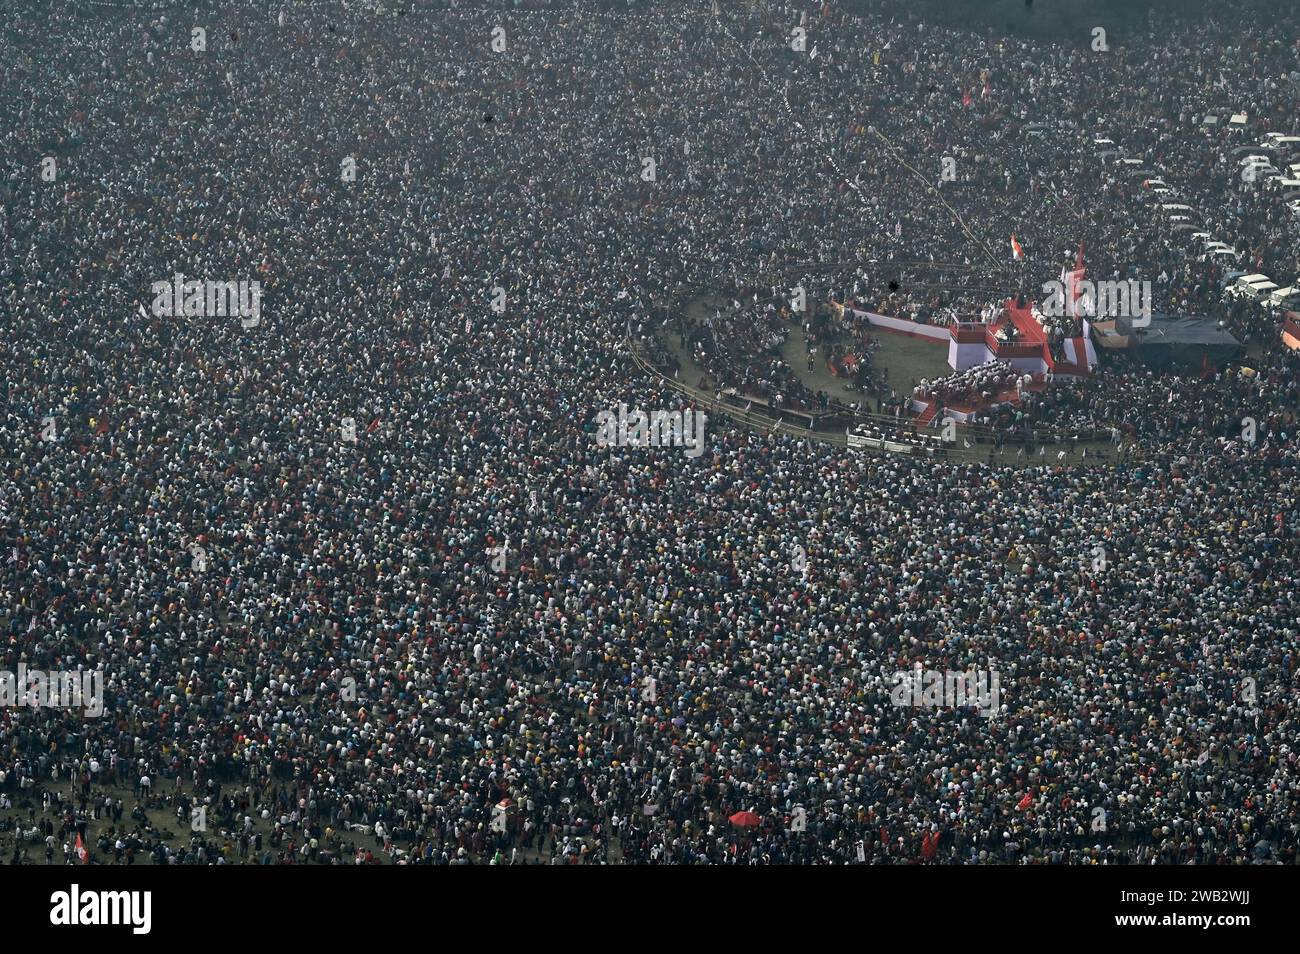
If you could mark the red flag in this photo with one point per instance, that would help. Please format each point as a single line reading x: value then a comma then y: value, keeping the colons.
x: 1027, y: 800
x: 965, y: 98
x: 929, y: 845
x: 373, y: 424
x: 82, y: 853
x: 1071, y: 281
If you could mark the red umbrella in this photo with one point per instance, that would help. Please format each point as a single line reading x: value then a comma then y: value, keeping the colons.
x: 744, y: 819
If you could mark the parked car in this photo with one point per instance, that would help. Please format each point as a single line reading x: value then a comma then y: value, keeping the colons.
x: 1288, y: 297
x: 1218, y: 252
x: 1255, y: 287
x: 1281, y: 140
x: 1259, y: 172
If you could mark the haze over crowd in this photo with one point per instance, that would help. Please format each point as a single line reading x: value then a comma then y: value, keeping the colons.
x: 475, y: 603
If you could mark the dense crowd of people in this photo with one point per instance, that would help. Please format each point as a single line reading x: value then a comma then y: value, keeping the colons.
x: 979, y: 384
x: 463, y: 631
x: 1157, y: 405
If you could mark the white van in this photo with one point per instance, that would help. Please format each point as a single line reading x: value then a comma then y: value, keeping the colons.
x: 1285, y: 297
x: 1219, y: 254
x: 1254, y: 287
x: 1259, y: 171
